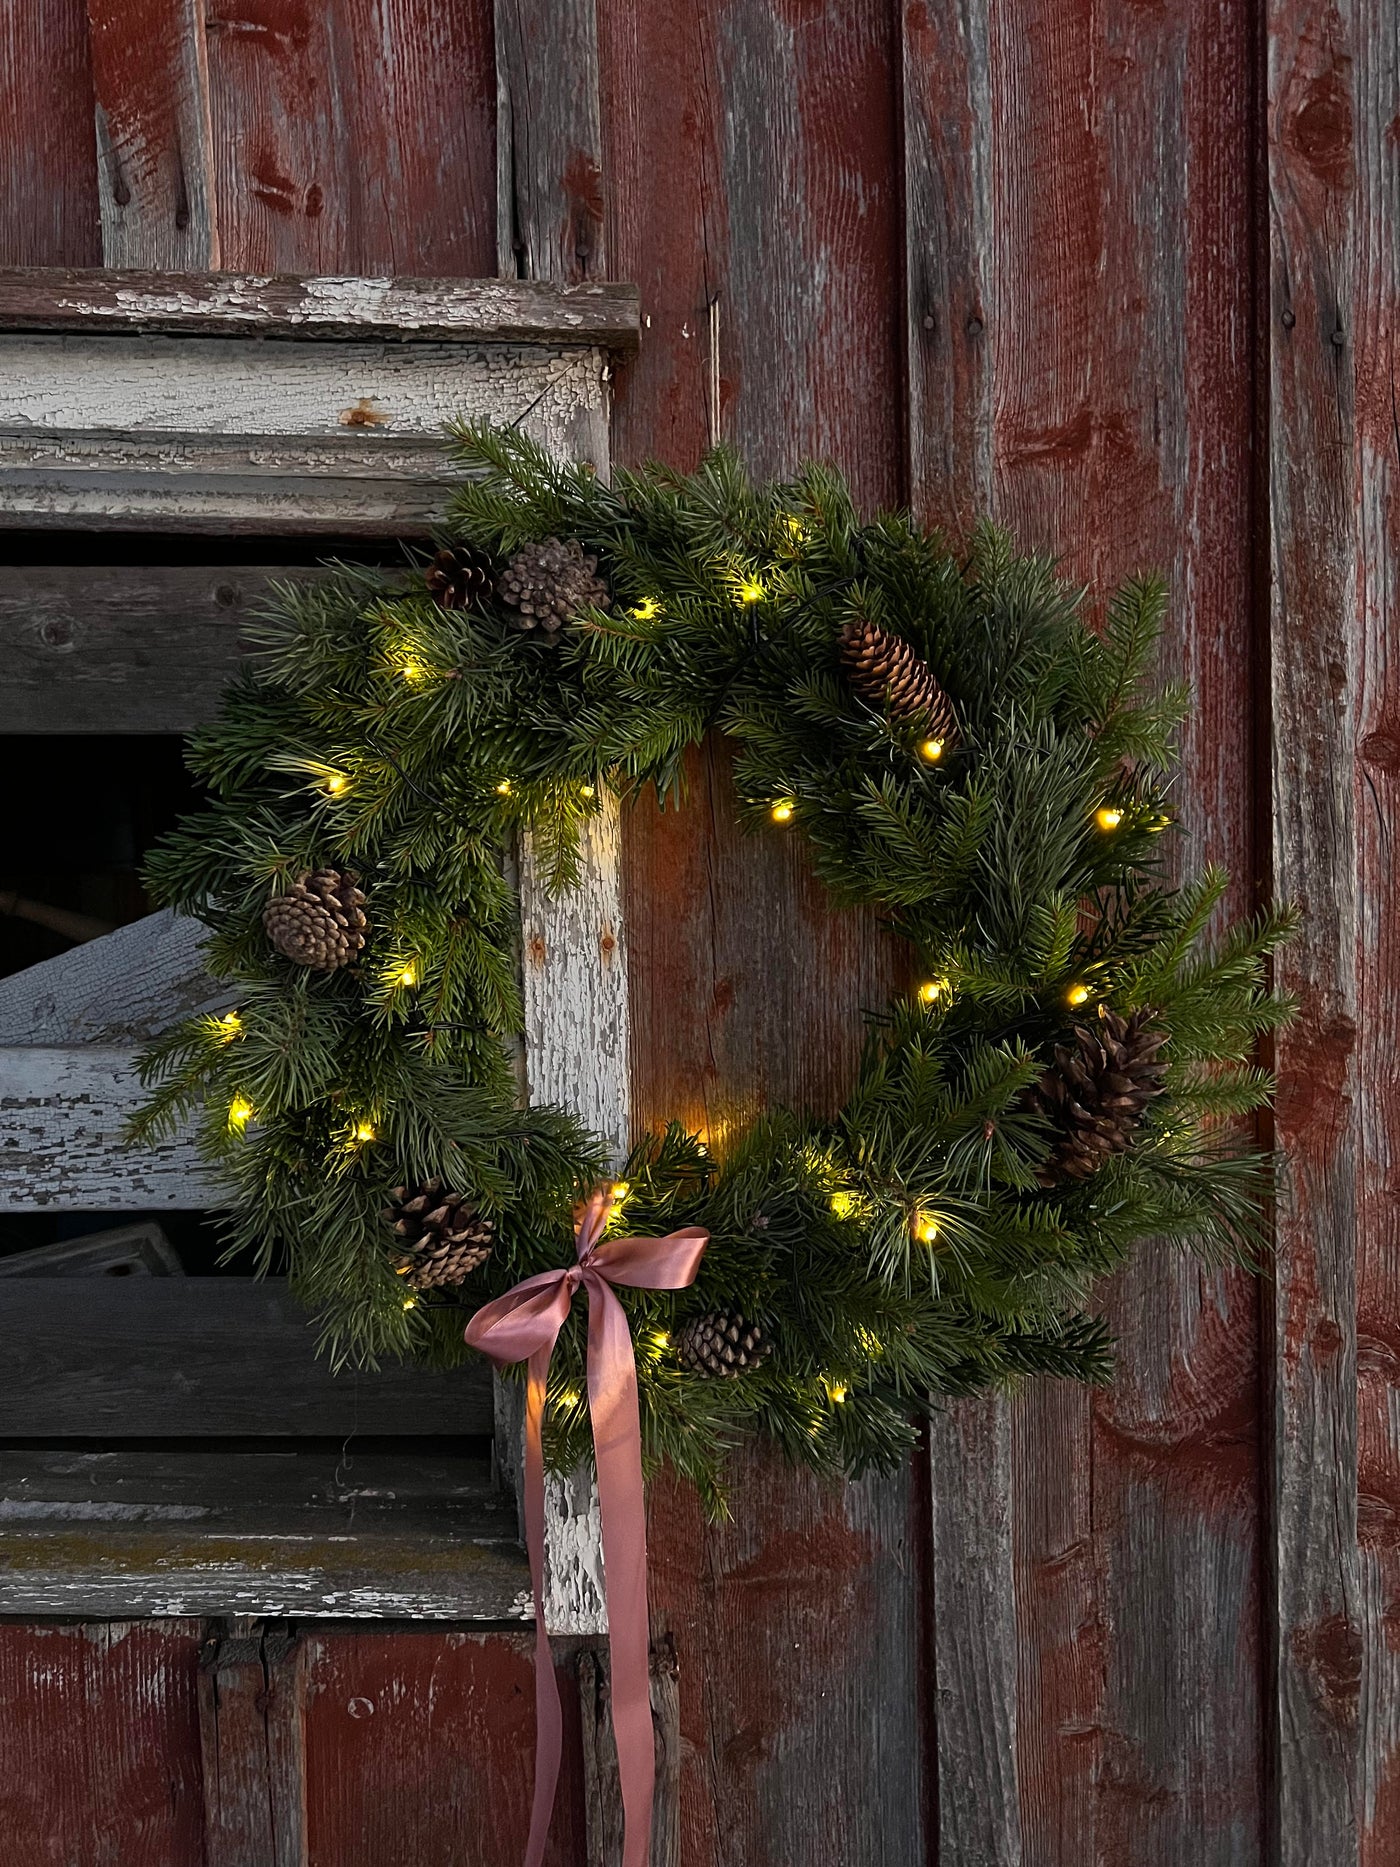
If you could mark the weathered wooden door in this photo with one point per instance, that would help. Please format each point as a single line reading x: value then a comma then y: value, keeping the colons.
x: 1126, y: 276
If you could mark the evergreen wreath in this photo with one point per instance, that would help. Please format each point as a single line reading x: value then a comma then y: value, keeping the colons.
x: 961, y: 750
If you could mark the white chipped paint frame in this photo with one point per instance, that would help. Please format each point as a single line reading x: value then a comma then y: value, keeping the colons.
x: 148, y: 429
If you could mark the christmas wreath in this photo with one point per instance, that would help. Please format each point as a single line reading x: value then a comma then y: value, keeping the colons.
x: 959, y: 748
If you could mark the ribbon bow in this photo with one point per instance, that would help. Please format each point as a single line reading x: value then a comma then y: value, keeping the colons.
x: 523, y: 1325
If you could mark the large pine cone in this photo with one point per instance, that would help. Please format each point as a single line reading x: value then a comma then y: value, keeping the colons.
x: 548, y: 583
x: 457, y: 577
x: 723, y: 1342
x: 1095, y: 1091
x: 884, y: 670
x: 320, y: 922
x: 442, y: 1237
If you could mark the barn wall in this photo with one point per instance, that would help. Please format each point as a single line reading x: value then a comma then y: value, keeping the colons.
x: 1124, y: 276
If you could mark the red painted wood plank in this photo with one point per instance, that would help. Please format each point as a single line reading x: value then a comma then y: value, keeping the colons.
x: 1104, y: 251
x: 99, y: 1746
x: 48, y: 162
x: 1334, y: 181
x: 419, y: 1750
x: 354, y: 136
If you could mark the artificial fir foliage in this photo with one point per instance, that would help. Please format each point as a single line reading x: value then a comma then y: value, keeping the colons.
x: 907, y: 1247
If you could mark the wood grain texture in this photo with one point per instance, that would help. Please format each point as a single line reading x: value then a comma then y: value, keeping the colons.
x: 119, y: 991
x: 170, y: 433
x: 1079, y: 328
x: 48, y: 204
x: 119, y: 648
x: 140, y: 1250
x: 549, y: 144
x: 418, y: 1747
x: 226, y: 304
x: 251, y: 1726
x: 149, y: 1357
x: 1334, y: 185
x: 354, y: 136
x: 99, y: 1753
x: 602, y: 1790
x: 155, y: 141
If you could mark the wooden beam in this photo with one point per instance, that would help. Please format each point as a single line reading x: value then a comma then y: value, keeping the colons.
x: 118, y: 991
x: 251, y: 1717
x: 140, y: 1250
x: 183, y: 1357
x: 218, y: 434
x: 120, y: 648
x: 601, y: 1788
x: 155, y: 140
x: 532, y: 310
x: 549, y: 141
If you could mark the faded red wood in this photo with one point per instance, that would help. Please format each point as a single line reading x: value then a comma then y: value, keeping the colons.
x: 48, y: 173
x: 99, y: 1745
x: 1334, y: 180
x: 419, y: 1750
x: 1080, y: 328
x: 354, y: 136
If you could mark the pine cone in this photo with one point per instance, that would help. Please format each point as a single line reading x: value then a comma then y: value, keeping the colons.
x: 441, y: 1235
x: 1095, y: 1091
x: 458, y: 576
x: 320, y: 922
x: 549, y: 583
x: 722, y: 1343
x: 884, y: 670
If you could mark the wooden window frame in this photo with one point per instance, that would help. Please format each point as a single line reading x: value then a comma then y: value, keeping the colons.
x: 216, y: 405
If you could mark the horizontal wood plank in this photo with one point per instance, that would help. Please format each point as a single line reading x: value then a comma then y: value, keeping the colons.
x: 228, y: 304
x: 121, y: 648
x: 120, y: 990
x: 178, y: 434
x: 63, y: 1114
x: 188, y: 1357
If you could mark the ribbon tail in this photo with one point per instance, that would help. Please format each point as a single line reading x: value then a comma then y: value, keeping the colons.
x: 617, y: 1439
x: 549, y: 1721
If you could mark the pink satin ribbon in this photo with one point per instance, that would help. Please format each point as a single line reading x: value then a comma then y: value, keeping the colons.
x: 523, y: 1325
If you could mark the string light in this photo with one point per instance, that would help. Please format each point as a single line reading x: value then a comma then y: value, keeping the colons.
x: 1078, y: 995
x: 412, y: 670
x: 751, y: 591
x: 365, y: 1131
x: 1108, y: 817
x: 837, y: 1391
x: 336, y: 782
x: 408, y: 975
x: 229, y: 1027
x: 503, y: 788
x: 240, y: 1112
x: 932, y: 990
x: 926, y: 1228
x: 843, y: 1204
x: 661, y: 1338
x: 586, y: 790
x: 410, y: 1302
x: 931, y: 750
x: 568, y: 1399
x: 781, y: 812
x: 646, y: 609
x: 620, y: 1190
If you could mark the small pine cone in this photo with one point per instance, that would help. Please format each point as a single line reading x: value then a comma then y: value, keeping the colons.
x: 884, y: 670
x: 442, y: 1238
x: 458, y: 576
x: 548, y: 583
x: 320, y: 922
x: 1095, y: 1092
x: 722, y: 1343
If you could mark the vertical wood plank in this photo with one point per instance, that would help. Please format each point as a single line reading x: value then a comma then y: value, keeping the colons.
x: 1079, y: 332
x: 602, y: 1790
x: 1334, y: 194
x: 251, y: 1715
x: 751, y: 157
x: 155, y: 145
x: 549, y: 143
x: 354, y: 136
x: 99, y: 1746
x: 48, y: 204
